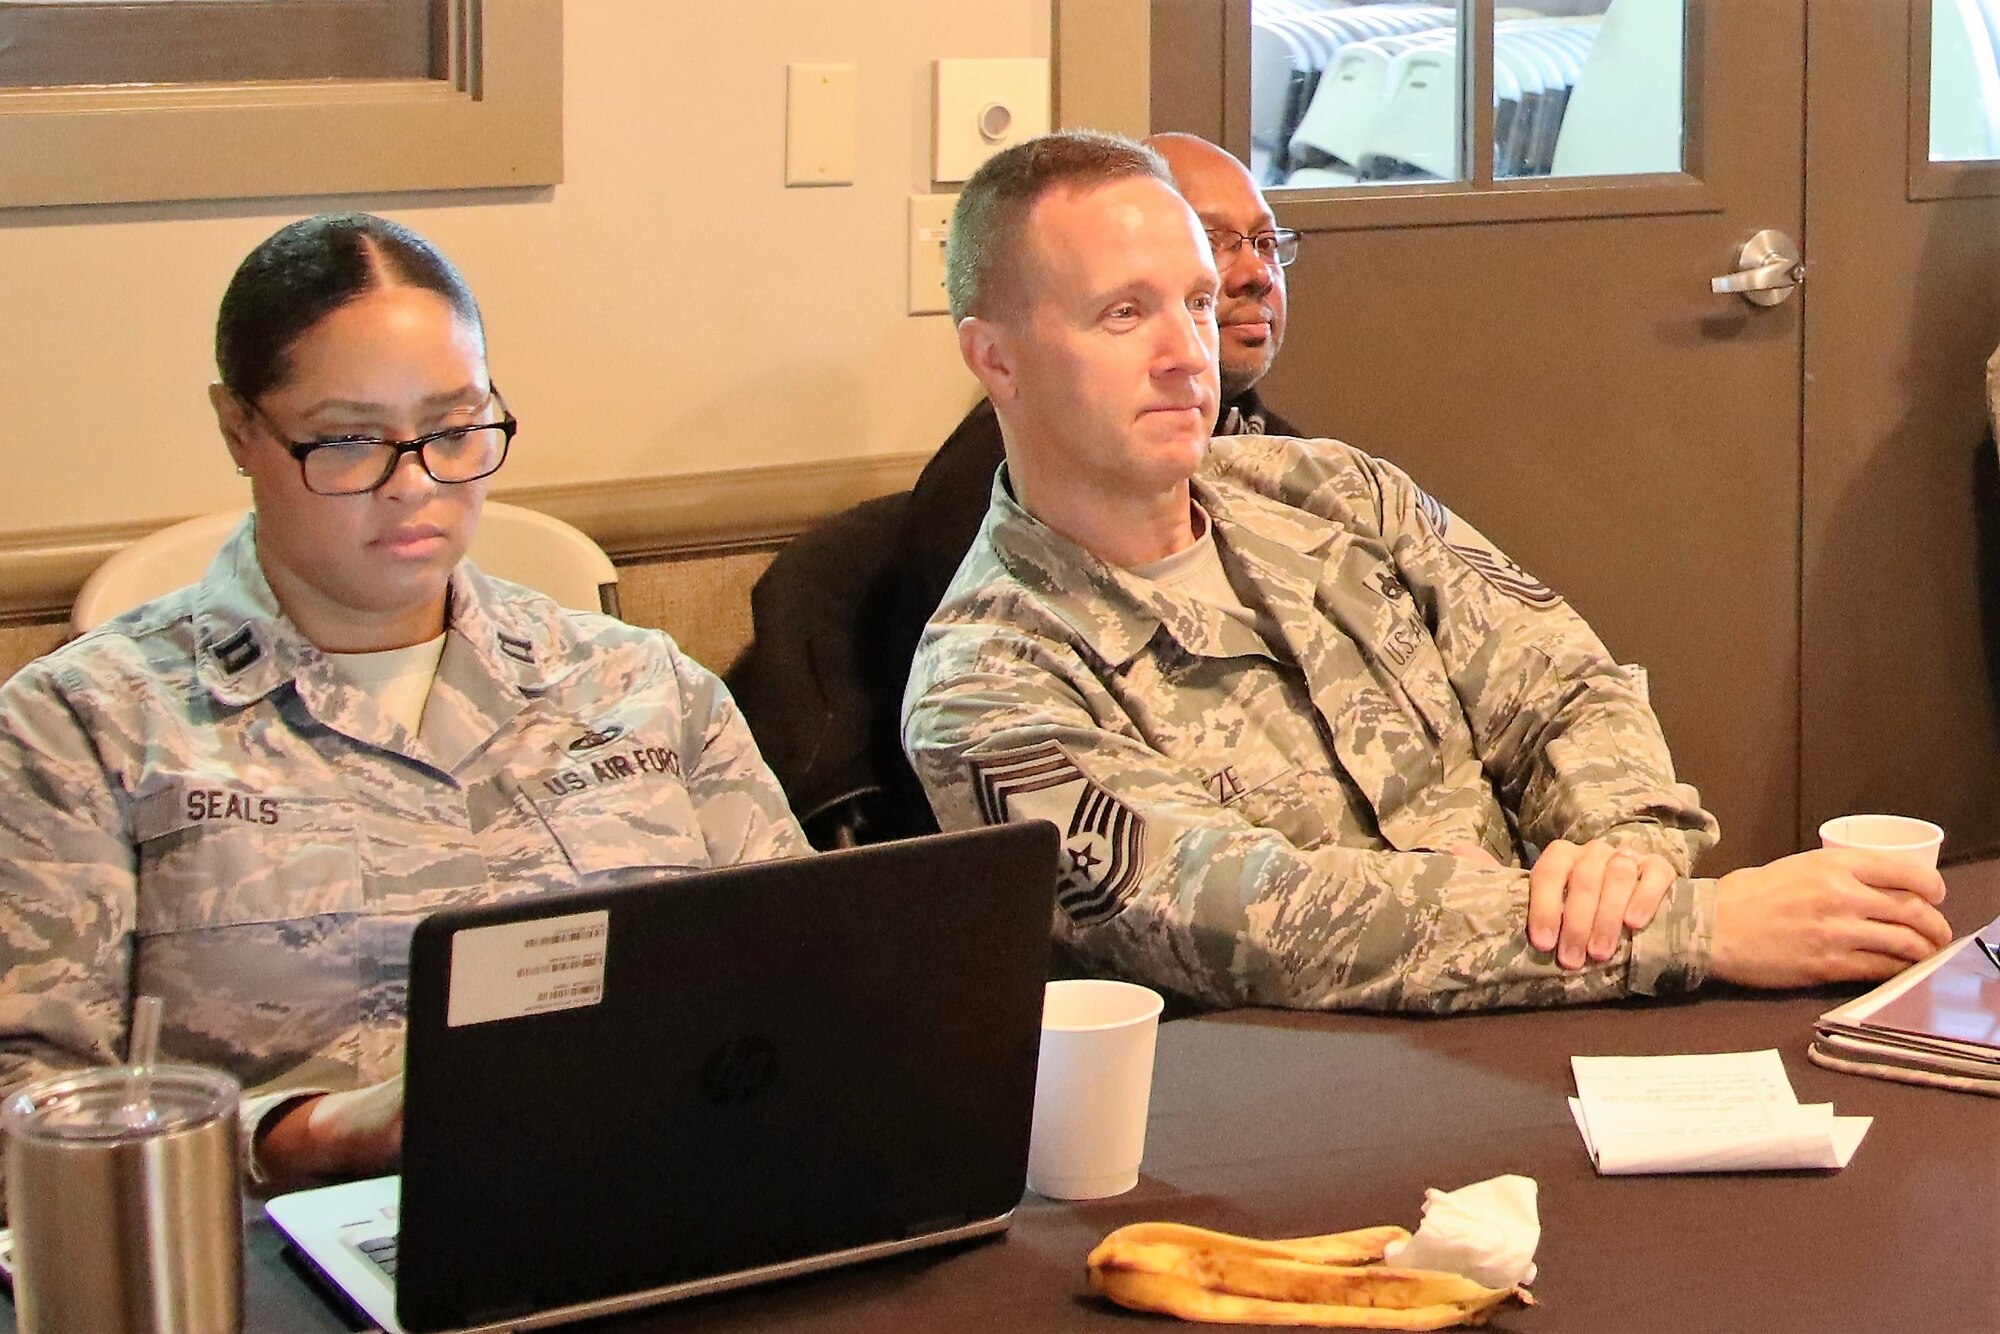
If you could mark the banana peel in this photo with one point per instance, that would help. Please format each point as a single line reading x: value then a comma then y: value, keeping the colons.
x: 1333, y: 1281
x: 1362, y: 1246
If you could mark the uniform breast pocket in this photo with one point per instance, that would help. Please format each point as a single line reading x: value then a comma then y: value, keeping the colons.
x: 1265, y: 790
x: 248, y: 907
x: 215, y: 856
x: 616, y: 823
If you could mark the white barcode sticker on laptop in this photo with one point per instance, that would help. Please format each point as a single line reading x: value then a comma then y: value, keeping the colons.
x: 505, y: 972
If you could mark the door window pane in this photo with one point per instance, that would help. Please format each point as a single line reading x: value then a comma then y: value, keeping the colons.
x: 1965, y: 80
x: 1369, y: 93
x: 1346, y: 94
x: 1587, y: 87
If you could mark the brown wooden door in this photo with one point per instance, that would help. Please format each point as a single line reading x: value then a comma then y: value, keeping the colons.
x: 1572, y: 386
x: 1790, y: 516
x: 1902, y: 308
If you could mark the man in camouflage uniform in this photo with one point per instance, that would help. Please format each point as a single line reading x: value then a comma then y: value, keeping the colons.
x: 1299, y: 723
x: 202, y: 809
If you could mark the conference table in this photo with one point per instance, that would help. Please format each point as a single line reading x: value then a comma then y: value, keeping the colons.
x: 1280, y: 1124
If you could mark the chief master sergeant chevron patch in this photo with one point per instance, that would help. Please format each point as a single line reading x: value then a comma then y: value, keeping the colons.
x: 1103, y: 838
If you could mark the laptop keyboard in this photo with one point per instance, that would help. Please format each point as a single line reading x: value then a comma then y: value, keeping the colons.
x: 382, y: 1250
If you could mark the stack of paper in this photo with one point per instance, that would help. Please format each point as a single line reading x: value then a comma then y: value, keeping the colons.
x: 1732, y: 1112
x: 1937, y: 1023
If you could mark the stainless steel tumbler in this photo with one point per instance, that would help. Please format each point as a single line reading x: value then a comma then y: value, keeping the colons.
x: 123, y: 1195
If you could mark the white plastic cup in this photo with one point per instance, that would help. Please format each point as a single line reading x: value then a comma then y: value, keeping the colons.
x: 1899, y: 836
x: 1091, y: 1088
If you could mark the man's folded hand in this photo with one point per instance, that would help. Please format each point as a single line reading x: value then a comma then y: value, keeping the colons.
x: 1583, y: 898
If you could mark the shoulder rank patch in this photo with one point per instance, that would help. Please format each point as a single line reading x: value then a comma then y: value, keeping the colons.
x: 1103, y: 838
x: 1505, y: 575
x: 1433, y: 509
x: 520, y: 650
x: 1471, y: 546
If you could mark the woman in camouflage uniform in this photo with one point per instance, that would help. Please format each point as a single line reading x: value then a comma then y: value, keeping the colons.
x: 241, y: 797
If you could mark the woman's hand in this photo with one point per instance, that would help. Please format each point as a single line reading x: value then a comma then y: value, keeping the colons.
x: 357, y: 1133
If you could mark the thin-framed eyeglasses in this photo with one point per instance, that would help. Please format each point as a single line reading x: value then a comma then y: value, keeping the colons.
x: 356, y: 465
x: 1279, y: 246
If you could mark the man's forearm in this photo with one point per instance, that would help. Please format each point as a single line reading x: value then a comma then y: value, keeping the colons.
x: 1245, y: 920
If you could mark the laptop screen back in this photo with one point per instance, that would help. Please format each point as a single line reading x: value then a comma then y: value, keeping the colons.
x: 773, y: 1062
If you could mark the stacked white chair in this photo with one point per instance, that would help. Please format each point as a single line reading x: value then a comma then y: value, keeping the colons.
x: 1294, y: 43
x: 520, y: 545
x: 1626, y: 111
x: 1341, y: 123
x: 1416, y: 131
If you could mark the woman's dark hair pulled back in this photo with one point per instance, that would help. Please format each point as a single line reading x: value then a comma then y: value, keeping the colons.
x: 305, y: 271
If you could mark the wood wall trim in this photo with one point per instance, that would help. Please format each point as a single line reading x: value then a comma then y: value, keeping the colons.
x: 1103, y: 65
x: 42, y: 569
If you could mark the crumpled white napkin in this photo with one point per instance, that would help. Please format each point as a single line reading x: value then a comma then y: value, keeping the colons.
x: 1486, y: 1232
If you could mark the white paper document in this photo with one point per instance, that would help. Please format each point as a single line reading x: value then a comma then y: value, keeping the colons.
x: 1731, y: 1112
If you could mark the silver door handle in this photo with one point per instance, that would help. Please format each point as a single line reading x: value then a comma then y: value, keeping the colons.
x: 1763, y: 278
x: 1767, y: 269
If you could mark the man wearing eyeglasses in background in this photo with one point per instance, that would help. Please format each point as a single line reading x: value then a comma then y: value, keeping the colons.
x: 1251, y: 253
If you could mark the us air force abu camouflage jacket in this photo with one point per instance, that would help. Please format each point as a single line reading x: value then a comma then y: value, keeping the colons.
x: 198, y: 807
x: 1266, y: 825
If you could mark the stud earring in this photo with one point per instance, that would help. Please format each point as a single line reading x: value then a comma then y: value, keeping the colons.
x: 242, y: 471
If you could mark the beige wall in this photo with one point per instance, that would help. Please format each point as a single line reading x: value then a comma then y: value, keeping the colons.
x: 670, y: 308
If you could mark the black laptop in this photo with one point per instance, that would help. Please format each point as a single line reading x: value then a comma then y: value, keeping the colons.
x: 621, y: 1097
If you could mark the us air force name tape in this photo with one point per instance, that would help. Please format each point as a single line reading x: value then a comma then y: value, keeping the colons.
x: 1103, y: 838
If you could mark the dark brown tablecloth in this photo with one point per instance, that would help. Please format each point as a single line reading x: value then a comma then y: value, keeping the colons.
x: 1283, y: 1124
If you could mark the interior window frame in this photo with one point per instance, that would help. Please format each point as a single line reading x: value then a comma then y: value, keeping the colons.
x: 82, y: 42
x: 495, y: 120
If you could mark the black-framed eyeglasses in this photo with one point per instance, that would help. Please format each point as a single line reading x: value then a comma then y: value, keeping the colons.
x: 356, y: 465
x: 1279, y: 247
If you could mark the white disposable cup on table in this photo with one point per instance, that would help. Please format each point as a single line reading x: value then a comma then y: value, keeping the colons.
x: 1092, y: 1088
x: 1900, y: 836
x: 124, y: 1199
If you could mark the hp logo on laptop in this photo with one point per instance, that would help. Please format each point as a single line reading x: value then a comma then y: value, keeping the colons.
x: 740, y: 1070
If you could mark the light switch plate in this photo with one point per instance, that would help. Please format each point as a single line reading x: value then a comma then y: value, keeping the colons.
x: 979, y: 107
x: 930, y: 223
x: 819, y: 124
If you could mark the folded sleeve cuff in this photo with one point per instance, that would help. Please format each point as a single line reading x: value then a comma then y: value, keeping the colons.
x: 1676, y: 845
x: 1670, y: 956
x: 255, y: 1111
